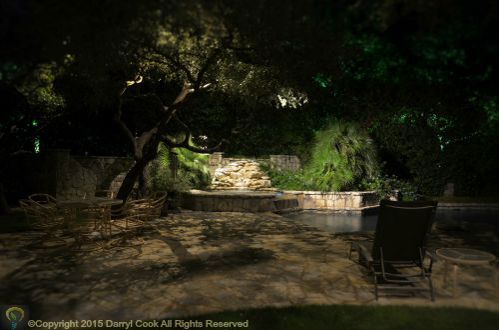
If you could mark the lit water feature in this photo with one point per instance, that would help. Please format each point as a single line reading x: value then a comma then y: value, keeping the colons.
x: 342, y: 223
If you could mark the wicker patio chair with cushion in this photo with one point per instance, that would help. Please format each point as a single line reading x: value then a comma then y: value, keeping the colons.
x: 399, y: 245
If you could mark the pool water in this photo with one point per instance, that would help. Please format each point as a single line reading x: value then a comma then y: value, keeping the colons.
x: 343, y: 223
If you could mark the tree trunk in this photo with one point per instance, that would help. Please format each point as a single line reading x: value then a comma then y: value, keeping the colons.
x: 130, y: 179
x: 142, y: 184
x: 136, y: 173
x: 4, y: 207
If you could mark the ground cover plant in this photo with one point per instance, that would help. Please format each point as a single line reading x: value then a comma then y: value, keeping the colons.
x: 361, y: 318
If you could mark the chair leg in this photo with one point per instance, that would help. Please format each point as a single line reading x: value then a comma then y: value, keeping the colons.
x: 446, y: 274
x: 432, y: 292
x: 375, y: 286
x: 454, y: 280
x: 495, y: 278
x: 350, y: 251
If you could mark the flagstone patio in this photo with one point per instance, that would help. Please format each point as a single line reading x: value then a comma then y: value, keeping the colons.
x: 193, y: 262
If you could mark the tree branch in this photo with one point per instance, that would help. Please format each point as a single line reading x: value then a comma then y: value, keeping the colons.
x: 186, y: 129
x: 125, y: 130
x: 117, y: 115
x: 170, y: 110
x: 174, y: 64
x: 143, y: 140
x: 186, y: 145
x: 209, y: 61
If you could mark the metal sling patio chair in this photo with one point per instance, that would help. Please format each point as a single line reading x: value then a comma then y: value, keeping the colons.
x: 398, y: 246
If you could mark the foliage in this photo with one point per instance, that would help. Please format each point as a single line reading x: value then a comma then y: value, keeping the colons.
x: 343, y: 158
x: 420, y: 76
x: 408, y: 138
x: 392, y: 187
x: 348, y: 317
x: 287, y: 180
x: 192, y: 173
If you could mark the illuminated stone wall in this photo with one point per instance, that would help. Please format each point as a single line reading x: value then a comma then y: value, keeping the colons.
x: 282, y: 162
x: 347, y: 200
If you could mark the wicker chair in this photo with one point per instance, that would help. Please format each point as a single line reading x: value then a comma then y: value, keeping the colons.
x: 139, y: 208
x: 157, y: 201
x: 87, y: 232
x: 127, y: 220
x: 43, y: 217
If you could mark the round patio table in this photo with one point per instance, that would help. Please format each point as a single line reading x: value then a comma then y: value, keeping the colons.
x: 465, y: 256
x: 76, y: 205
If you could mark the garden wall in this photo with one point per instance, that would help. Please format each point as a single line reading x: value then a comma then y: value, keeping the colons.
x: 58, y: 173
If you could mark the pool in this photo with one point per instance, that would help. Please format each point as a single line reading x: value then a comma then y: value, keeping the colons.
x: 344, y: 223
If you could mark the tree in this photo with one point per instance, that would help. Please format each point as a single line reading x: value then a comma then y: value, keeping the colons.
x: 278, y: 72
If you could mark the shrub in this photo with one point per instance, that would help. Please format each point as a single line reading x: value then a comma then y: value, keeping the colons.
x: 192, y: 173
x: 287, y: 180
x: 343, y: 158
x: 391, y: 186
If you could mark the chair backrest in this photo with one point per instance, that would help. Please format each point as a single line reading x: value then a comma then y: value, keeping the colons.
x: 43, y: 199
x: 401, y: 229
x: 40, y: 215
x: 31, y: 211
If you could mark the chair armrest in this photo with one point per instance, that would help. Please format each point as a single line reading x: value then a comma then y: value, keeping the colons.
x: 433, y: 258
x: 431, y: 255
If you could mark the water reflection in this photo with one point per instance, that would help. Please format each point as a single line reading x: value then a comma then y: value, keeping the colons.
x: 336, y: 222
x: 342, y: 223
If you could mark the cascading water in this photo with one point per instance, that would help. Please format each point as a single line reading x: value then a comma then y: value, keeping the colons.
x: 241, y: 175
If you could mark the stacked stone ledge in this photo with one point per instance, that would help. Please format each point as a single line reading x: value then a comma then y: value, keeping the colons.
x: 241, y: 175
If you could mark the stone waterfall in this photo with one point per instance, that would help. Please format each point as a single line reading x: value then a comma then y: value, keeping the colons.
x: 241, y: 175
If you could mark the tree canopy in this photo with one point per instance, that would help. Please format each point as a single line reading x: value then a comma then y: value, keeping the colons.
x: 420, y: 77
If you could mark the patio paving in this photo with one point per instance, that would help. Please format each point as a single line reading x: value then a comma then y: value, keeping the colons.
x: 193, y: 263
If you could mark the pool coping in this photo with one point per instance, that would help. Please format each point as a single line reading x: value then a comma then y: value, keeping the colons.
x: 469, y: 206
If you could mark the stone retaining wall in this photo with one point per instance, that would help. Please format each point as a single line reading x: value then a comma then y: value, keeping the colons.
x: 349, y: 200
x: 285, y: 162
x: 64, y: 176
x: 228, y: 201
x: 231, y: 201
